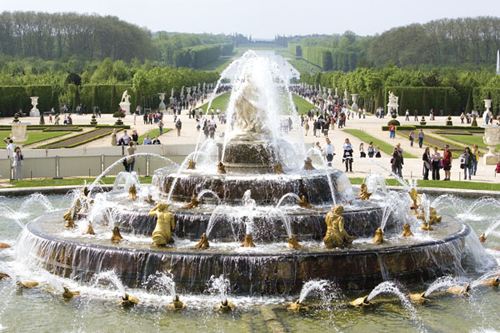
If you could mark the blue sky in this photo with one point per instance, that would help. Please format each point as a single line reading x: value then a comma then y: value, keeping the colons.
x: 266, y: 18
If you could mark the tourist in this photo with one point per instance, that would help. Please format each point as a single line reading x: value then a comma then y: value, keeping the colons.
x: 306, y: 126
x: 135, y: 136
x: 431, y: 114
x: 407, y: 115
x: 436, y: 164
x: 466, y: 160
x: 415, y: 115
x: 421, y: 137
x: 18, y: 164
x: 317, y: 128
x: 348, y: 155
x: 178, y: 126
x: 411, y: 136
x: 156, y: 141
x: 114, y: 140
x: 129, y: 162
x: 397, y: 161
x: 328, y: 150
x: 160, y: 126
x: 362, y: 153
x: 462, y: 117
x: 392, y: 131
x: 477, y: 155
x: 447, y: 162
x: 125, y: 139
x: 147, y: 140
x: 426, y: 157
x: 371, y: 150
x: 378, y: 152
x: 10, y: 147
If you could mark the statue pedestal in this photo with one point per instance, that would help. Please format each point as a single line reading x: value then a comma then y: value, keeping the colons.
x: 492, y: 139
x: 126, y: 107
x: 34, y: 113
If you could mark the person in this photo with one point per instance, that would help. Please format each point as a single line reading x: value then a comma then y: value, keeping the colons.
x: 477, y: 155
x: 178, y: 126
x: 466, y: 160
x: 411, y: 136
x: 147, y: 140
x: 377, y: 152
x: 125, y: 139
x: 415, y: 115
x: 436, y: 164
x: 129, y: 162
x: 160, y: 126
x: 421, y: 136
x: 348, y: 155
x: 114, y: 141
x: 362, y: 153
x: 329, y: 151
x: 407, y: 115
x: 426, y: 157
x: 156, y: 141
x: 18, y: 164
x: 306, y: 126
x: 371, y: 150
x: 10, y: 147
x: 447, y: 162
x: 135, y: 136
x: 397, y: 161
x: 497, y: 169
x: 392, y: 131
x: 462, y: 117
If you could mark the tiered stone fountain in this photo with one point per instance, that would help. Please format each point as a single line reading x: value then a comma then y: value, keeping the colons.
x: 248, y: 194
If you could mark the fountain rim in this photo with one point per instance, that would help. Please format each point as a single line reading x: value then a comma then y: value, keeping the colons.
x: 464, y: 231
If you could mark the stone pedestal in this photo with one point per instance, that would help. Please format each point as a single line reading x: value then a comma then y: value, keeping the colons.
x: 492, y: 139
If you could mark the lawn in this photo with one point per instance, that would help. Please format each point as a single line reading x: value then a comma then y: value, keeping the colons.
x: 33, y: 137
x: 304, y: 66
x: 441, y: 184
x: 468, y: 140
x: 302, y: 104
x: 221, y: 64
x: 384, y: 146
x: 219, y: 102
x: 67, y: 181
x: 152, y: 134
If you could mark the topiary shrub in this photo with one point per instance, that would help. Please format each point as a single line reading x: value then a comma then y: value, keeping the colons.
x: 93, y: 121
x: 423, y: 122
x: 449, y: 122
x: 474, y: 122
x: 393, y: 122
x: 119, y: 115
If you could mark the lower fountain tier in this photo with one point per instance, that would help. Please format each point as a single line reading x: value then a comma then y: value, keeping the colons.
x: 249, y: 272
x: 305, y: 224
x: 316, y: 185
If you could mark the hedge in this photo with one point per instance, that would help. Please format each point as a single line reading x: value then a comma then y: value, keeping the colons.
x: 101, y: 94
x: 480, y: 94
x: 295, y: 48
x: 423, y: 99
x: 319, y: 56
x: 15, y: 98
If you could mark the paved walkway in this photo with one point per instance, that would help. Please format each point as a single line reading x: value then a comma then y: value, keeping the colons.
x: 361, y: 166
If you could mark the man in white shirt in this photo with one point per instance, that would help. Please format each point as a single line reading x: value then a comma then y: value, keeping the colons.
x: 147, y: 140
x: 329, y: 151
x: 10, y: 147
x: 125, y: 138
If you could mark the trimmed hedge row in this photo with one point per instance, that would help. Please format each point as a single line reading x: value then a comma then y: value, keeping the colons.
x: 441, y: 127
x: 480, y: 94
x: 425, y: 98
x: 319, y: 56
x: 201, y: 55
x: 295, y: 48
x: 15, y: 98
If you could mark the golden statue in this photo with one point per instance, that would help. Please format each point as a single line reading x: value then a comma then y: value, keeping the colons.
x: 191, y: 165
x: 132, y: 192
x: 4, y: 276
x: 4, y: 245
x: 293, y: 243
x: 79, y: 206
x: 116, y: 237
x: 297, y: 306
x: 192, y: 204
x: 308, y: 164
x: 427, y: 227
x: 303, y: 203
x: 407, y: 231
x: 128, y: 301
x: 203, y: 243
x: 379, y: 236
x: 417, y: 298
x: 28, y: 284
x: 336, y: 236
x: 70, y: 224
x: 248, y: 241
x: 416, y: 198
x: 221, y: 168
x: 150, y: 200
x: 90, y: 230
x: 361, y: 301
x: 482, y: 238
x: 68, y: 294
x: 363, y: 193
x: 165, y: 224
x: 433, y: 217
x: 459, y: 290
x: 225, y: 306
x: 278, y: 168
x: 176, y: 304
x: 495, y: 282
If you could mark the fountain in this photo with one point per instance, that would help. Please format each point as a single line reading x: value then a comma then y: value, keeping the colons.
x: 246, y: 207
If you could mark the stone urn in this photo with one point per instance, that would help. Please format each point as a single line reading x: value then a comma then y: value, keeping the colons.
x: 34, y: 112
x: 354, y: 106
x: 19, y: 133
x: 492, y: 139
x: 162, y: 105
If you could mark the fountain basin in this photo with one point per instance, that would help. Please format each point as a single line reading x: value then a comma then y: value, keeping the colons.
x: 250, y: 272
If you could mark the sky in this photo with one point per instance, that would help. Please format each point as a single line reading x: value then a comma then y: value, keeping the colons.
x: 267, y: 18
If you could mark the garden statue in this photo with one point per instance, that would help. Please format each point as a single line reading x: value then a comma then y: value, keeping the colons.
x: 68, y: 294
x: 379, y: 236
x: 293, y: 243
x: 192, y: 204
x: 80, y: 205
x: 278, y: 168
x: 90, y: 230
x: 308, y: 164
x: 225, y: 306
x: 459, y: 290
x: 132, y: 192
x: 426, y: 226
x: 361, y: 301
x: 203, y: 243
x: 407, y: 231
x: 165, y: 224
x: 129, y: 301
x: 495, y: 282
x: 363, y: 193
x: 303, y: 203
x: 221, y: 168
x: 482, y: 238
x: 28, y: 284
x: 336, y: 236
x: 248, y: 241
x: 116, y: 237
x: 4, y: 276
x: 176, y: 304
x: 297, y: 306
x: 4, y: 245
x: 417, y: 298
x: 149, y: 199
x: 191, y: 165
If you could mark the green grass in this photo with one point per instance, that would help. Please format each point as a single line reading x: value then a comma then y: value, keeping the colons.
x: 33, y: 137
x: 260, y: 47
x: 152, y: 134
x: 384, y: 146
x: 221, y: 64
x: 221, y: 102
x: 440, y: 184
x: 467, y: 140
x: 302, y: 104
x: 67, y: 182
x: 304, y: 66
